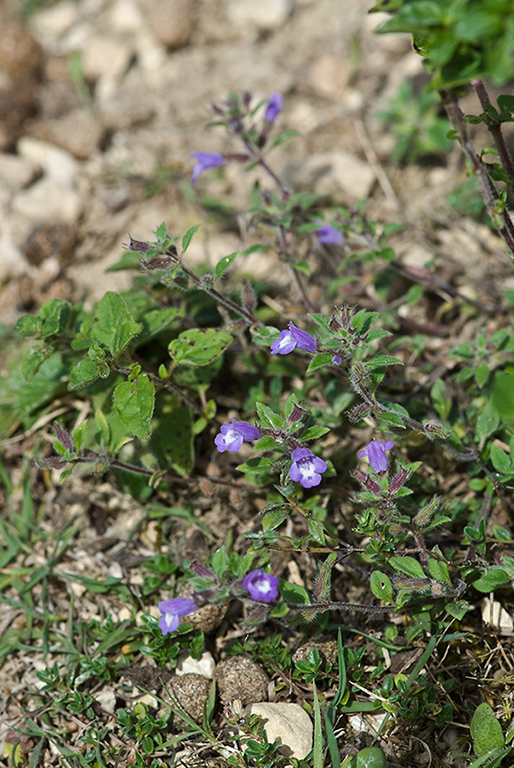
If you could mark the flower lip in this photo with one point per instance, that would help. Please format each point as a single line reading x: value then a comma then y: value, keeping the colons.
x: 274, y: 107
x: 204, y: 161
x: 261, y: 585
x: 232, y: 436
x: 172, y: 610
x: 328, y: 235
x: 376, y: 453
x: 306, y: 468
x: 292, y: 338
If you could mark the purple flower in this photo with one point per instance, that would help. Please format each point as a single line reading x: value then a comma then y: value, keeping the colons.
x: 306, y: 468
x: 328, y: 235
x: 204, y: 161
x: 171, y: 611
x: 336, y: 360
x: 274, y: 107
x: 261, y: 585
x: 289, y: 340
x: 232, y: 436
x: 376, y: 453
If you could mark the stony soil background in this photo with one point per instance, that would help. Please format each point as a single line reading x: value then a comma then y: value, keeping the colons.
x: 101, y: 102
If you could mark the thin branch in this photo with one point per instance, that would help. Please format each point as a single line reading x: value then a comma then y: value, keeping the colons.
x: 489, y: 191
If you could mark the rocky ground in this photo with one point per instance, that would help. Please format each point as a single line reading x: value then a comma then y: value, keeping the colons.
x: 103, y: 100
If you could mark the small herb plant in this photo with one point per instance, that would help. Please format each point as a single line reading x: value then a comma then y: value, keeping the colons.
x: 194, y: 385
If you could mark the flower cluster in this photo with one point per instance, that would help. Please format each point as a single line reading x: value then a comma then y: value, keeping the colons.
x: 262, y: 586
x: 206, y: 160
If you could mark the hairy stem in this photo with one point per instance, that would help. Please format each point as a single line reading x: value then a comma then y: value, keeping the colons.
x: 489, y: 191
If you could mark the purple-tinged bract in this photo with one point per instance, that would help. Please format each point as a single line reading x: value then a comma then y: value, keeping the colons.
x: 328, y: 235
x: 292, y: 338
x: 204, y: 161
x: 376, y: 453
x: 261, y: 585
x: 274, y: 107
x: 306, y: 468
x: 172, y: 610
x: 232, y: 436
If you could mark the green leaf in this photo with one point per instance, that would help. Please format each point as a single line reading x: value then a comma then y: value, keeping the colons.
x: 382, y: 360
x: 268, y: 418
x: 161, y: 233
x: 482, y: 711
x: 502, y: 396
x: 381, y: 586
x: 186, y: 240
x: 157, y: 320
x: 223, y: 264
x: 317, y: 749
x: 496, y: 577
x: 265, y: 443
x: 488, y: 735
x: 481, y: 374
x: 265, y: 335
x: 84, y: 373
x: 79, y: 435
x: 134, y: 404
x: 407, y: 565
x: 33, y: 359
x: 274, y: 518
x: 199, y: 346
x: 293, y: 593
x: 172, y: 440
x: 113, y: 326
x: 439, y: 570
x: 257, y: 465
x: 320, y: 361
x: 488, y: 422
x: 458, y: 609
x: 313, y: 433
x: 501, y: 460
x: 29, y: 325
x: 316, y: 530
x: 440, y: 398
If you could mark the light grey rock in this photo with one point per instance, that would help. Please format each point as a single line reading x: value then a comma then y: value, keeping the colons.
x: 337, y: 173
x: 104, y: 56
x: 16, y: 172
x: 171, y: 21
x: 48, y: 200
x: 57, y: 164
x: 287, y: 722
x: 204, y: 666
x: 53, y: 23
x: 265, y: 14
x: 329, y: 76
x: 77, y: 132
x: 125, y: 16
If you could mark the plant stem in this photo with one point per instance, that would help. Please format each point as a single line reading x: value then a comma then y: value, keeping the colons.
x: 494, y: 129
x: 489, y: 191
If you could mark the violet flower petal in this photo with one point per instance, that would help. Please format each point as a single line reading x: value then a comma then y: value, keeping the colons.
x: 204, y: 161
x: 274, y: 107
x: 261, y: 585
x: 306, y: 468
x: 328, y: 235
